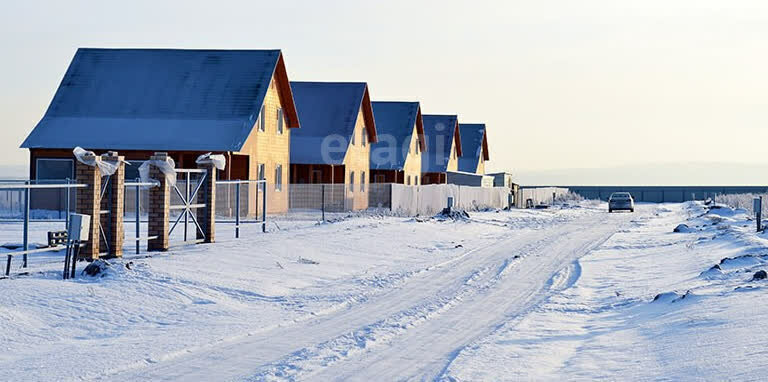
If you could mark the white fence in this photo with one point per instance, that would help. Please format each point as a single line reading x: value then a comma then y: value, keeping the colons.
x: 539, y: 195
x: 431, y: 199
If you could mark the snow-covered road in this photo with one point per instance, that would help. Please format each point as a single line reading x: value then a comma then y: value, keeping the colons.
x: 412, y: 330
x: 565, y: 293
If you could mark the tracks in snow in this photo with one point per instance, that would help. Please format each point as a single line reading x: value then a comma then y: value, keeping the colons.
x: 413, y: 330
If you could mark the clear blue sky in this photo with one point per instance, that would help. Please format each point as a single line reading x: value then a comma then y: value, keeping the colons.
x: 561, y: 84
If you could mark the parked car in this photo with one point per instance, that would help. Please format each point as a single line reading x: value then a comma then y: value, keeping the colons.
x: 621, y: 201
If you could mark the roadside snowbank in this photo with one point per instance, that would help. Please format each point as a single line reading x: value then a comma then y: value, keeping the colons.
x: 649, y: 304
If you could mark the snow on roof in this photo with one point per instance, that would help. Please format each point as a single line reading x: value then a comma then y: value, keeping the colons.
x: 328, y: 110
x: 474, y: 144
x: 160, y: 99
x: 395, y: 122
x: 440, y: 131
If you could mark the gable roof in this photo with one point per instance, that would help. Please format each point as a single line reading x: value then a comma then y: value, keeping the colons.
x: 474, y: 143
x: 440, y: 131
x: 329, y: 112
x: 395, y: 123
x: 161, y: 99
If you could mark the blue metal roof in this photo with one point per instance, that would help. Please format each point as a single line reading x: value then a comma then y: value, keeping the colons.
x: 328, y: 111
x: 440, y: 131
x: 158, y: 99
x: 395, y: 123
x: 472, y: 137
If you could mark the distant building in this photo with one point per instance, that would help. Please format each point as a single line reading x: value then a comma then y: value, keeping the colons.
x: 443, y: 141
x: 396, y: 157
x: 474, y: 147
x: 334, y: 144
x: 469, y: 179
x: 184, y: 102
x: 504, y: 179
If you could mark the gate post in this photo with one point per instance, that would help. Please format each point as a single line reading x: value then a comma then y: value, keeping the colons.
x: 88, y: 202
x: 206, y: 216
x: 159, y: 207
x: 116, y: 206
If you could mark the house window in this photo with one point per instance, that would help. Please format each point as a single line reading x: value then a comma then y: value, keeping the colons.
x: 279, y: 121
x: 362, y: 182
x: 55, y: 169
x: 262, y: 119
x: 365, y: 137
x: 132, y: 171
x: 260, y: 171
x: 278, y: 177
x: 408, y: 180
x: 354, y: 132
x: 416, y: 182
x: 352, y: 181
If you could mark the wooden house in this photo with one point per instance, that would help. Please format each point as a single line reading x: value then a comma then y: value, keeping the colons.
x: 184, y: 102
x: 443, y: 140
x: 333, y: 146
x: 474, y: 145
x: 396, y: 157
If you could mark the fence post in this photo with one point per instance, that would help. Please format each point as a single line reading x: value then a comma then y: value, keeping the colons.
x: 69, y: 195
x: 264, y: 204
x: 88, y: 202
x: 159, y: 207
x: 138, y: 221
x: 757, y: 207
x: 237, y: 210
x: 206, y: 217
x: 26, y: 225
x: 116, y: 234
x: 322, y: 201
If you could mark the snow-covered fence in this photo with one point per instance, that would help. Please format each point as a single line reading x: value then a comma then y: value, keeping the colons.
x: 539, y: 195
x: 317, y: 200
x: 432, y: 198
x: 743, y: 201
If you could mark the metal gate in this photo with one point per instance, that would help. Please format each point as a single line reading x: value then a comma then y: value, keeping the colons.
x: 187, y: 198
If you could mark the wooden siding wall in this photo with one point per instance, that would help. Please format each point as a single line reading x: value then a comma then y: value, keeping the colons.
x: 412, y: 165
x: 481, y: 164
x: 271, y: 149
x: 358, y: 160
x: 453, y: 160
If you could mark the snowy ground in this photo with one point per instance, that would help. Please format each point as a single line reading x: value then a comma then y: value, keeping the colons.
x: 524, y: 294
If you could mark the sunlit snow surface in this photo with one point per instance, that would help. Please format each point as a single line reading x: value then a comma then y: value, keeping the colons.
x: 565, y: 293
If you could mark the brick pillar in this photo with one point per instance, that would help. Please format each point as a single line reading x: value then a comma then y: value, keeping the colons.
x: 206, y: 217
x: 159, y: 204
x: 88, y: 202
x: 116, y: 206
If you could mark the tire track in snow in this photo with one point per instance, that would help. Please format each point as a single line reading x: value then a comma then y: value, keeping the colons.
x: 401, y: 321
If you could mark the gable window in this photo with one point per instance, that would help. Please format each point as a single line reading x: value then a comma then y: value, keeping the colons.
x: 362, y: 182
x: 352, y: 181
x: 278, y: 177
x: 260, y: 171
x: 354, y: 132
x: 279, y: 121
x: 365, y: 137
x: 262, y: 119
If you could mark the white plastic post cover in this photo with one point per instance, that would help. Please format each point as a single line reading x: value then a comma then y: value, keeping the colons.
x: 168, y: 167
x: 218, y: 160
x: 89, y: 158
